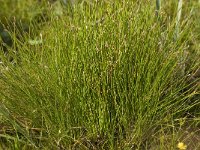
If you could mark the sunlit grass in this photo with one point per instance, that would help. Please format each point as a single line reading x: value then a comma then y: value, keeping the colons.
x: 101, y: 76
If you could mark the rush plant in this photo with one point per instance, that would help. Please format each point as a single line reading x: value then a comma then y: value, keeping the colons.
x: 101, y: 76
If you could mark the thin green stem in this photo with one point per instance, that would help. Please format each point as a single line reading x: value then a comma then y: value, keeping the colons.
x: 158, y: 7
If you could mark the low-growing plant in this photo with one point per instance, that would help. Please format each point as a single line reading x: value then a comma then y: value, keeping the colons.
x: 106, y: 77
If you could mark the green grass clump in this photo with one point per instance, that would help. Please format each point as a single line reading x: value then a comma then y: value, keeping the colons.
x: 102, y: 76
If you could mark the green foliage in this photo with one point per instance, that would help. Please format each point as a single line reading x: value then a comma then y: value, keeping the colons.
x: 97, y: 76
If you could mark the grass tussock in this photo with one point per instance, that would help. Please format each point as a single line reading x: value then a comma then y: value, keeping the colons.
x: 100, y: 76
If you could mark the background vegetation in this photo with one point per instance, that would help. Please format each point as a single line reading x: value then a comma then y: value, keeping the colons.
x: 99, y: 75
